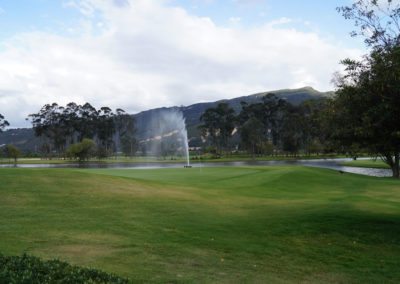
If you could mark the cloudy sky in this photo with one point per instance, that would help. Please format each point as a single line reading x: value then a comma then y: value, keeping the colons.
x: 141, y: 54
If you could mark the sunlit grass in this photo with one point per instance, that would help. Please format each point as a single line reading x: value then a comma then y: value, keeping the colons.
x: 372, y: 163
x: 222, y: 225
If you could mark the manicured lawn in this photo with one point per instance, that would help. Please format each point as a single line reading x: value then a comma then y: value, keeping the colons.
x: 221, y: 225
x: 367, y: 164
x: 193, y: 159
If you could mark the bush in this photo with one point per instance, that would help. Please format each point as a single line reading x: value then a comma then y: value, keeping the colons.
x: 30, y: 269
x: 83, y: 150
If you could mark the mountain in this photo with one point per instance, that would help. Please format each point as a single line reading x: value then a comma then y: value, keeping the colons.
x: 193, y: 112
x: 24, y: 138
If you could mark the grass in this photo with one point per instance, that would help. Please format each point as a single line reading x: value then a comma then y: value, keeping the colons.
x: 379, y: 164
x: 94, y: 160
x: 209, y: 225
x: 194, y: 159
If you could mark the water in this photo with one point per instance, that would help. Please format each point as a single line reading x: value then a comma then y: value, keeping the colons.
x: 334, y: 164
x: 168, y: 135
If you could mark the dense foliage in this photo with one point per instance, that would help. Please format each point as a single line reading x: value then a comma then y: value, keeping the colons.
x: 365, y: 111
x: 272, y: 126
x: 219, y: 122
x: 61, y: 126
x: 30, y: 269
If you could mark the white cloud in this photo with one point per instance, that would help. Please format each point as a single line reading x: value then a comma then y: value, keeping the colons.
x: 84, y: 7
x: 147, y: 54
x: 235, y: 20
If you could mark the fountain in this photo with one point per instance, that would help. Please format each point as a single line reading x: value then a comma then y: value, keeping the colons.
x: 183, y: 133
x: 169, y: 134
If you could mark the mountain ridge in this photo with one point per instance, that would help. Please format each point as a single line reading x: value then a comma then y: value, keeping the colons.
x: 193, y: 112
x: 24, y: 137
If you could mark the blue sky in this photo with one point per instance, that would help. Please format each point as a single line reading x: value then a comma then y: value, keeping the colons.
x: 141, y: 54
x: 321, y: 15
x: 56, y: 15
x: 29, y: 15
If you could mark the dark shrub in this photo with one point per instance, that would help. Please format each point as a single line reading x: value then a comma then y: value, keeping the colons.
x: 30, y: 269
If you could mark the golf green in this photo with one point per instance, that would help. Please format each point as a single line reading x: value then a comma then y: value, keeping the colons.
x: 220, y: 225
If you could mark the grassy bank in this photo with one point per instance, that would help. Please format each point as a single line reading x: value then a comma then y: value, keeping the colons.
x: 379, y: 164
x: 221, y: 225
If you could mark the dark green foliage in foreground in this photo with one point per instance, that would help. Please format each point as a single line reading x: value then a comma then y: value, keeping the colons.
x: 365, y: 110
x: 30, y: 269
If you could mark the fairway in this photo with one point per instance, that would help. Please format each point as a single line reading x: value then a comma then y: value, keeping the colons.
x: 207, y: 225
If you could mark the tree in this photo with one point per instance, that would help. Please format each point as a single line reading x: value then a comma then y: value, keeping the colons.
x: 105, y: 129
x: 126, y: 130
x: 71, y: 118
x: 87, y: 120
x: 12, y: 152
x: 365, y: 111
x: 218, y: 124
x: 293, y: 132
x: 378, y: 21
x: 367, y: 106
x: 314, y: 127
x: 3, y: 123
x: 263, y: 122
x: 273, y: 109
x: 51, y: 123
x: 61, y: 126
x: 252, y: 135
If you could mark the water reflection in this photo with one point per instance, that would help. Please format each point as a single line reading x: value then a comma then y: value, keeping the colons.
x: 319, y: 163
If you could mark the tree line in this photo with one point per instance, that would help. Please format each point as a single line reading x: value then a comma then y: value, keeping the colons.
x: 83, y: 131
x: 270, y: 127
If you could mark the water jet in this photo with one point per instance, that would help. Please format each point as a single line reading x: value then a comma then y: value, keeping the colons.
x: 168, y: 135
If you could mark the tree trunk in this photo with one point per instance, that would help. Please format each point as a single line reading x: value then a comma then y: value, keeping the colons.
x: 393, y: 162
x: 395, y: 166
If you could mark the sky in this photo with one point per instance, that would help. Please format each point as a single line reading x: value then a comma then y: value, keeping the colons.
x: 142, y: 54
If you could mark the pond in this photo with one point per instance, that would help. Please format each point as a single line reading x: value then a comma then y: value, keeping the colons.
x: 334, y: 164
